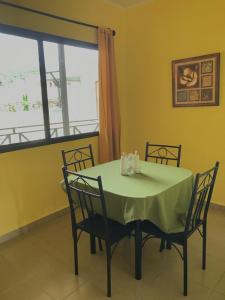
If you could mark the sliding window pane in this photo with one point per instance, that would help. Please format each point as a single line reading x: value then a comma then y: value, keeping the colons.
x: 72, y: 81
x: 21, y: 112
x: 82, y: 88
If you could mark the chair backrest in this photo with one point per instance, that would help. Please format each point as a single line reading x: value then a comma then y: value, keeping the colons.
x: 78, y: 158
x: 87, y: 194
x: 163, y: 153
x: 201, y: 197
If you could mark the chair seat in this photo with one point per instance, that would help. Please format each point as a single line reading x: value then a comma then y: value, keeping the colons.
x: 150, y: 228
x: 96, y: 225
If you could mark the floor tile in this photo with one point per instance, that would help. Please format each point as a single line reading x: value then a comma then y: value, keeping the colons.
x: 216, y: 296
x: 9, y: 276
x: 25, y: 291
x: 220, y: 287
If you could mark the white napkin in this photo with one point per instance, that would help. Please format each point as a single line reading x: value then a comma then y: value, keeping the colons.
x: 129, y: 164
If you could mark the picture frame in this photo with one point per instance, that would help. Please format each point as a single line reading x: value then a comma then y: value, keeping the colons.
x: 195, y: 81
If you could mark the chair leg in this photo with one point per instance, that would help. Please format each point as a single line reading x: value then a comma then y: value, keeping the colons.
x: 185, y: 268
x: 204, y: 247
x: 92, y: 244
x: 75, y: 241
x: 108, y: 255
x: 168, y: 245
x: 100, y: 244
x: 162, y: 245
x: 138, y: 250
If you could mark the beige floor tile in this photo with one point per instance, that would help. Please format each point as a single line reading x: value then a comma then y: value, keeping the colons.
x: 163, y: 288
x: 9, y: 276
x: 25, y: 291
x: 213, y: 273
x: 58, y: 284
x: 58, y: 244
x: 29, y: 260
x: 220, y: 287
x: 86, y: 292
x: 216, y: 296
x: 94, y: 291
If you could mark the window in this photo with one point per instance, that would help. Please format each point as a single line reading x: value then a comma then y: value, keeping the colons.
x: 48, y: 89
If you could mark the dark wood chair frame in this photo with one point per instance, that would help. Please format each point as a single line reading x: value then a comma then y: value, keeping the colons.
x: 163, y: 153
x: 93, y: 223
x: 78, y: 159
x: 196, y: 219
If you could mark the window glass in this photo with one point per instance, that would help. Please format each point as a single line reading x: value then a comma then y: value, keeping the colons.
x: 82, y: 84
x: 21, y: 111
x: 72, y: 78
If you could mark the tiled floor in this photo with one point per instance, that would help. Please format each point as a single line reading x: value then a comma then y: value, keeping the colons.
x: 39, y: 266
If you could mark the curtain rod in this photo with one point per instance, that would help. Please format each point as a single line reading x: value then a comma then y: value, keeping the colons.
x: 49, y: 15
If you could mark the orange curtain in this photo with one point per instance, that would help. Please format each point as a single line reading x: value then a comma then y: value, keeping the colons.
x: 109, y: 116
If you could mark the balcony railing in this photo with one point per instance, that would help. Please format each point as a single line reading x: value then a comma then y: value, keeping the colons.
x: 21, y: 134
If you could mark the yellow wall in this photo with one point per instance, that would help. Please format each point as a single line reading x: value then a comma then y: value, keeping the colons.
x: 159, y: 33
x: 29, y: 183
x: 29, y: 179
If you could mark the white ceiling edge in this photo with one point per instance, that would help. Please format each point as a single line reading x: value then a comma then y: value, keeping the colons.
x: 143, y: 2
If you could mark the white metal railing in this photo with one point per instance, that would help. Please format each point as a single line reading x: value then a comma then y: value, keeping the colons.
x: 20, y: 134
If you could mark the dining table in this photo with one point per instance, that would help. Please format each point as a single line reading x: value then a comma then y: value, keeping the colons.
x: 158, y: 193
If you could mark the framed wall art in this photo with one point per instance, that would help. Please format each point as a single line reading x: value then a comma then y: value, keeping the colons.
x: 196, y: 80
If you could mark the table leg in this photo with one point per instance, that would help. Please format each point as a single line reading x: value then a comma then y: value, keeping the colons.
x: 138, y: 250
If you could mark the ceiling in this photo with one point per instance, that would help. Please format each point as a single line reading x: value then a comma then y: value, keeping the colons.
x: 128, y: 3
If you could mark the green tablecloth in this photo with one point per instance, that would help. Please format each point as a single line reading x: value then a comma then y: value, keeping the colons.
x: 160, y: 194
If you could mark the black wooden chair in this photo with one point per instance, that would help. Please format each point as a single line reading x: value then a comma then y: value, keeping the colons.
x: 93, y: 214
x: 76, y: 160
x: 163, y: 153
x: 196, y: 220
